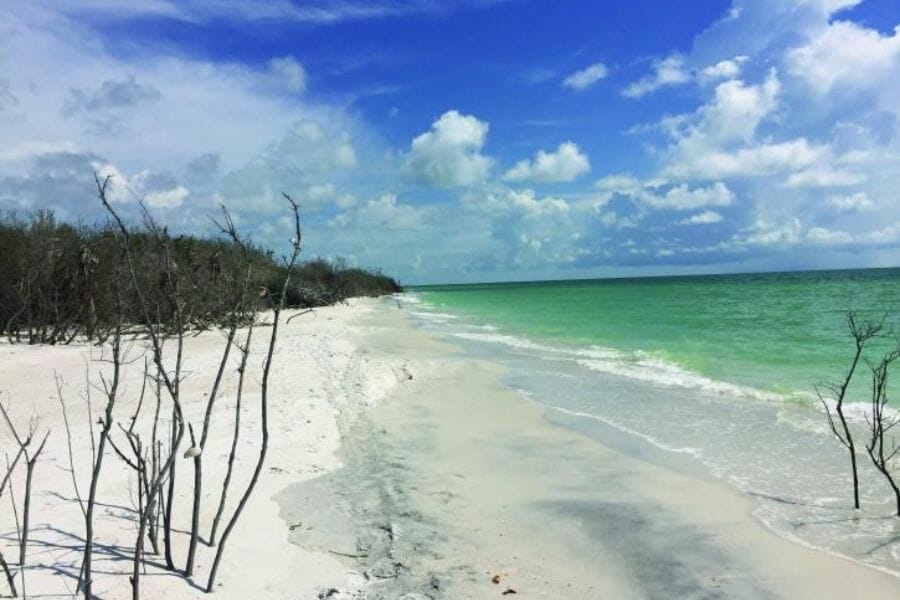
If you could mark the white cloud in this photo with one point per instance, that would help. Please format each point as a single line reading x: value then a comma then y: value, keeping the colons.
x: 161, y: 111
x: 661, y: 195
x: 118, y: 189
x: 764, y: 233
x: 724, y: 69
x: 857, y: 202
x: 736, y: 111
x: 525, y: 202
x: 585, y: 78
x: 886, y: 235
x: 682, y: 197
x: 382, y: 214
x: 762, y: 27
x: 668, y: 71
x: 531, y: 231
x: 750, y: 161
x: 449, y: 155
x: 171, y: 198
x: 707, y: 217
x: 290, y: 72
x: 826, y: 237
x: 824, y: 175
x: 320, y: 192
x: 17, y: 152
x: 846, y: 54
x: 567, y: 163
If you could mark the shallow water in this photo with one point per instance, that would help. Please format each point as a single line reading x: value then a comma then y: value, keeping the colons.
x: 770, y: 332
x: 777, y: 450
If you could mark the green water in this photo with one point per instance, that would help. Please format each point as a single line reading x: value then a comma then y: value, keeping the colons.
x: 777, y: 332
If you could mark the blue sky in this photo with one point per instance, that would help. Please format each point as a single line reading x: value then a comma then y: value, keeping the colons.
x: 473, y: 140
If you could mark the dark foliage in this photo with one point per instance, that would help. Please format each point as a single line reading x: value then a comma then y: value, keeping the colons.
x: 57, y: 280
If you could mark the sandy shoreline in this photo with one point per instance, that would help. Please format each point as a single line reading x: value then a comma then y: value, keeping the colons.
x: 260, y: 561
x: 453, y: 480
x: 459, y: 478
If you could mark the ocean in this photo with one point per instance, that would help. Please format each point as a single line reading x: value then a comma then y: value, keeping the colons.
x: 718, y: 371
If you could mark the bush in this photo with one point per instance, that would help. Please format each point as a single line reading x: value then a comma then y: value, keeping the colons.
x: 61, y: 280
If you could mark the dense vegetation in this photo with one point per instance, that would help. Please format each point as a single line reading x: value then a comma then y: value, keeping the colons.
x: 59, y: 281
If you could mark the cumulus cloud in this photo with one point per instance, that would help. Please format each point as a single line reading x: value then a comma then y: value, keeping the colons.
x: 755, y: 160
x: 734, y: 113
x: 724, y: 69
x: 668, y: 71
x: 707, y: 217
x: 585, y: 78
x: 720, y: 139
x: 449, y: 155
x: 307, y: 155
x: 683, y: 197
x: 531, y: 230
x: 857, y: 202
x: 661, y: 195
x: 824, y: 175
x: 847, y: 54
x: 289, y: 73
x: 384, y: 213
x: 827, y: 237
x: 170, y: 198
x: 567, y: 163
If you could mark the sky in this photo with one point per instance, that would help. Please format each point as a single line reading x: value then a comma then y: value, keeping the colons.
x: 471, y: 140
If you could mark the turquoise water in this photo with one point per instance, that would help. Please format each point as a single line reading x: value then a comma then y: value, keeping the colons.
x: 775, y: 332
x: 718, y: 370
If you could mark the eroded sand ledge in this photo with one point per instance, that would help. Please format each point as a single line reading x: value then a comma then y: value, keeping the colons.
x: 453, y: 479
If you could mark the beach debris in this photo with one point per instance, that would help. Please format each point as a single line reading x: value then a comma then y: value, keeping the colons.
x: 384, y: 568
x: 496, y: 579
x: 296, y: 525
x: 509, y: 591
x: 192, y: 452
x: 347, y: 554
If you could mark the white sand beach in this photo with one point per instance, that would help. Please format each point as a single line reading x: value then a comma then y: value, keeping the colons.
x: 260, y: 562
x: 448, y: 480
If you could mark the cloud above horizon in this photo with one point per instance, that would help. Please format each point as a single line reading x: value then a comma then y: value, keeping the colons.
x: 772, y: 140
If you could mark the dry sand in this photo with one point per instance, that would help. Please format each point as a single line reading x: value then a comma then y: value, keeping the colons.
x: 453, y: 480
x: 260, y: 561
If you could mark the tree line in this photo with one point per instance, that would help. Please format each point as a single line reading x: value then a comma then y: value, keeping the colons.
x: 57, y: 279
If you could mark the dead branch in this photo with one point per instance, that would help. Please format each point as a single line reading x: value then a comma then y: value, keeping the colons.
x: 861, y: 332
x: 880, y: 450
x: 296, y: 246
